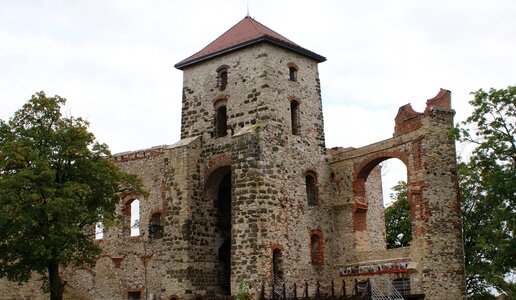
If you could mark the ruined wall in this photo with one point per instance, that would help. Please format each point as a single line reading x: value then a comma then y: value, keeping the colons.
x: 434, y: 261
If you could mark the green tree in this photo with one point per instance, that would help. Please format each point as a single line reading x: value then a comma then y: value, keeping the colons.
x: 56, y: 183
x: 398, y: 229
x: 488, y: 190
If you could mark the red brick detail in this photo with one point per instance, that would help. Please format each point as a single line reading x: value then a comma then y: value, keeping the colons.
x: 145, y: 259
x: 441, y: 100
x: 364, y: 168
x: 294, y: 98
x: 419, y: 212
x: 317, y: 247
x: 154, y: 212
x: 359, y: 221
x: 127, y: 200
x: 117, y: 261
x: 407, y: 120
x: 292, y: 65
x: 359, y: 188
x: 216, y: 162
x: 360, y: 175
x: 276, y: 246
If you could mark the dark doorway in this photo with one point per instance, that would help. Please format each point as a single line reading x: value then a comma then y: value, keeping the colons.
x: 223, y: 206
x: 277, y: 264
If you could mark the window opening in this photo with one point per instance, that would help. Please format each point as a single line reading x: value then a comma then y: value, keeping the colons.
x: 277, y: 264
x: 402, y: 285
x: 134, y: 295
x: 316, y: 250
x: 398, y: 226
x: 135, y: 217
x: 155, y: 226
x: 223, y: 79
x: 221, y: 121
x: 311, y: 188
x: 292, y: 73
x: 99, y: 231
x: 294, y: 116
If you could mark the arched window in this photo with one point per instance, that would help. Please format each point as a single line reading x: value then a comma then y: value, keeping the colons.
x: 316, y: 248
x: 294, y: 116
x: 132, y: 209
x: 311, y: 188
x: 292, y: 74
x: 222, y: 76
x: 292, y: 71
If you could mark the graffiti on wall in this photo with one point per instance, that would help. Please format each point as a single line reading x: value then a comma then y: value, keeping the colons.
x: 374, y: 268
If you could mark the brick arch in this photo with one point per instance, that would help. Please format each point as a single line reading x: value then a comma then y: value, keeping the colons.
x: 276, y: 246
x: 360, y: 174
x: 212, y: 182
x: 365, y: 167
x: 215, y: 163
x: 294, y: 98
x: 127, y: 200
x: 173, y: 297
x: 292, y: 65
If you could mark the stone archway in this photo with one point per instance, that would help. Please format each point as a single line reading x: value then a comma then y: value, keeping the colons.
x: 360, y: 175
x: 218, y: 190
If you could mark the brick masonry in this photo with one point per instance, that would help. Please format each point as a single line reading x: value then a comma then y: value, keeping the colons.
x: 228, y: 201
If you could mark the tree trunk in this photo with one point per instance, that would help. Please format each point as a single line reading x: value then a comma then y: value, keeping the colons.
x: 56, y: 287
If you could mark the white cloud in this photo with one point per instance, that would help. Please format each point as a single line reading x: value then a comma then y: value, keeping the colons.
x: 113, y: 60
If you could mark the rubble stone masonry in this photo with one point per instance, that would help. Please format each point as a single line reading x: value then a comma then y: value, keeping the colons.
x: 244, y: 195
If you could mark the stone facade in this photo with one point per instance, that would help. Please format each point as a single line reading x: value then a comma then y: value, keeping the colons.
x: 250, y: 191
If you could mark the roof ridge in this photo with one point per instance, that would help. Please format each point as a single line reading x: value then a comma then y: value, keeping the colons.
x: 246, y: 32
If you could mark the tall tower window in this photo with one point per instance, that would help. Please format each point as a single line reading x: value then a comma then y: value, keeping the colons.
x: 222, y: 76
x: 221, y: 118
x: 132, y: 210
x: 294, y: 116
x: 292, y: 74
x: 292, y: 71
x: 311, y: 188
x: 223, y: 80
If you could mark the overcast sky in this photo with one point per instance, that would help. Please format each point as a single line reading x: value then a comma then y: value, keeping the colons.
x: 114, y: 60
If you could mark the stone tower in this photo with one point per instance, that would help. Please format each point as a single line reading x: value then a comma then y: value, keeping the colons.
x: 253, y: 99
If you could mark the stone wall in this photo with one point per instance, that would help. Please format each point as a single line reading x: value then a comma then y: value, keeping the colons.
x: 260, y: 167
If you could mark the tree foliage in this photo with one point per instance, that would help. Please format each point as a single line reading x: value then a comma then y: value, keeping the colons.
x: 398, y: 229
x: 56, y: 183
x: 488, y: 189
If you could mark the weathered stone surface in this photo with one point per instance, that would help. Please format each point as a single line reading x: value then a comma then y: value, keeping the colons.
x: 237, y: 204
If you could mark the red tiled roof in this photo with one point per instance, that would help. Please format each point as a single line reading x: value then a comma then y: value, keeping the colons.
x: 246, y: 32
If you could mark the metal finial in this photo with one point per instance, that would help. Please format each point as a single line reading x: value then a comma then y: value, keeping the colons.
x: 248, y: 15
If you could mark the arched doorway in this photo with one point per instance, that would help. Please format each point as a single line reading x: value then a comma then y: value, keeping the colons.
x: 218, y: 190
